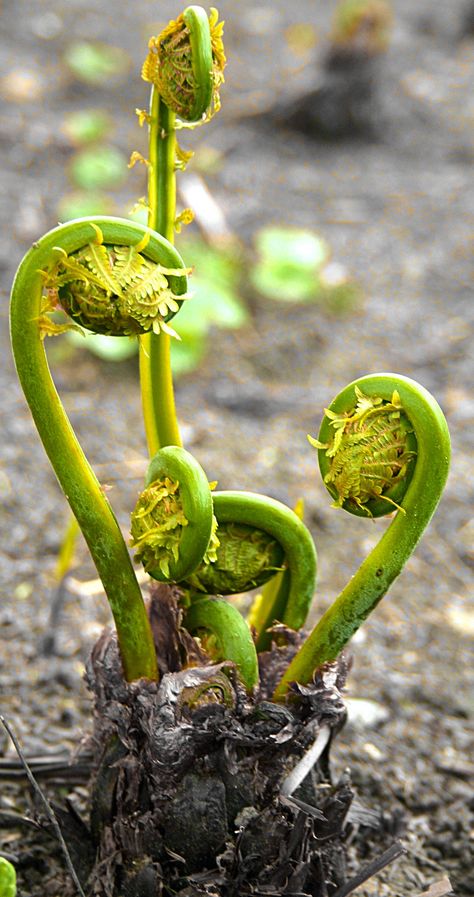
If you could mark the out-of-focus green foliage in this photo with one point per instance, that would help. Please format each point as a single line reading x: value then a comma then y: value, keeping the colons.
x: 96, y: 63
x: 87, y: 126
x: 293, y: 265
x: 98, y: 167
x: 84, y: 204
x: 288, y: 264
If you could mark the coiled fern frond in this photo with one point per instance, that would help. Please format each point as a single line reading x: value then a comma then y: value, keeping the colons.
x: 186, y: 64
x: 112, y: 289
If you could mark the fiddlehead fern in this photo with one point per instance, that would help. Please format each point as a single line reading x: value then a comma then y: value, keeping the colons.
x: 186, y: 63
x: 107, y: 286
x: 88, y: 503
x: 384, y: 442
x: 368, y: 459
x: 172, y: 530
x: 244, y: 559
x: 185, y: 66
x: 114, y: 290
x: 174, y: 533
x: 173, y: 523
x: 281, y: 524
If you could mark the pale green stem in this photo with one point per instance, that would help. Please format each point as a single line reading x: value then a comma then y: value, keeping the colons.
x: 159, y: 410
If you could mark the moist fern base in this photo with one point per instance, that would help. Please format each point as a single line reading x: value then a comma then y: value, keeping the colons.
x: 186, y: 790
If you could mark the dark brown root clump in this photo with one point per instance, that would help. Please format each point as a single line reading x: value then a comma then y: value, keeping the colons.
x: 186, y: 794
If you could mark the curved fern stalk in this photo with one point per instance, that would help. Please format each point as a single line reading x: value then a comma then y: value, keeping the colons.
x: 227, y: 626
x: 383, y: 444
x: 263, y: 514
x: 66, y: 265
x: 185, y: 65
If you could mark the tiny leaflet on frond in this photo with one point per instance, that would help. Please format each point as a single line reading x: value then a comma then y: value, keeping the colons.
x: 182, y: 157
x: 185, y: 217
x: 156, y: 525
x: 135, y: 158
x: 244, y: 559
x: 143, y: 117
x: 47, y: 324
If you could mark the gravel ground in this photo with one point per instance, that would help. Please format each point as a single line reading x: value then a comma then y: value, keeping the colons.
x: 398, y: 213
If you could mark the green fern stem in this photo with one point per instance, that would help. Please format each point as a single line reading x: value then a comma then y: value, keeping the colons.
x: 185, y: 65
x: 158, y: 402
x: 226, y: 624
x: 78, y: 481
x: 424, y: 487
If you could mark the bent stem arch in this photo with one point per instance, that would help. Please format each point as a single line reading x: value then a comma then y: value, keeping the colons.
x: 78, y: 481
x: 294, y: 597
x: 417, y: 505
x: 226, y: 624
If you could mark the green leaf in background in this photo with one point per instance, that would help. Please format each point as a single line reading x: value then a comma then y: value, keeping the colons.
x: 87, y: 126
x: 187, y: 354
x: 215, y: 301
x: 109, y: 348
x: 214, y: 284
x: 99, y: 167
x: 293, y: 246
x: 96, y: 63
x: 84, y: 205
x: 290, y: 260
x: 339, y: 293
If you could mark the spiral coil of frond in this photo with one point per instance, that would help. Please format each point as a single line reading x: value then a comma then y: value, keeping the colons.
x: 370, y: 452
x: 112, y: 289
x: 186, y: 63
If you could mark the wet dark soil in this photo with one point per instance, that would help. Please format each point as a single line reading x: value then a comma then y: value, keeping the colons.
x: 397, y: 208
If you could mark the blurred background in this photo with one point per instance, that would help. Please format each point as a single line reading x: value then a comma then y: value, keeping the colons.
x: 332, y: 237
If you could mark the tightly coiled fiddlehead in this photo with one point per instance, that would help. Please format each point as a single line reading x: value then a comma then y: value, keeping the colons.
x: 113, y: 290
x: 29, y: 322
x: 186, y: 63
x: 177, y: 538
x: 172, y: 524
x: 394, y: 441
x: 264, y: 514
x: 107, y: 286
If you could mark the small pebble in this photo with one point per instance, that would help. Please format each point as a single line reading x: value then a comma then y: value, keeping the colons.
x: 365, y: 714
